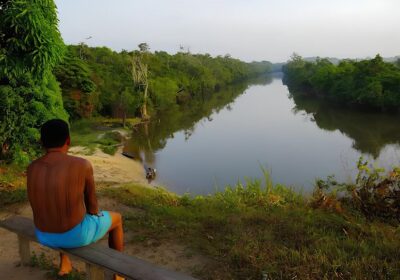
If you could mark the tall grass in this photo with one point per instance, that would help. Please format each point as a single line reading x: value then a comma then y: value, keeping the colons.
x: 258, y: 229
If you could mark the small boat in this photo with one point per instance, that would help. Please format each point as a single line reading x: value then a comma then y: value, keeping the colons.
x: 128, y: 154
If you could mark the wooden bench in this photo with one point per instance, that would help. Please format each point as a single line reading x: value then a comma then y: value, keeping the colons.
x: 98, y: 258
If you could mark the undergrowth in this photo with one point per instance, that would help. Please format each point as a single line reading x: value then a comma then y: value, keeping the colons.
x: 12, y: 185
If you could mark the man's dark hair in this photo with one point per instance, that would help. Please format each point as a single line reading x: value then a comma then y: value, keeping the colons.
x: 54, y: 133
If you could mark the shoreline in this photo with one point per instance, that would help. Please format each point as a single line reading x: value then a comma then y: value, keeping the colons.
x: 115, y: 168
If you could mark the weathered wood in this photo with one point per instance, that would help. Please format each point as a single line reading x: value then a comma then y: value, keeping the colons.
x: 94, y: 272
x: 24, y: 250
x: 101, y: 256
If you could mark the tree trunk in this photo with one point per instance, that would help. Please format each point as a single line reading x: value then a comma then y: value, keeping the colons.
x: 144, y: 106
x: 124, y: 118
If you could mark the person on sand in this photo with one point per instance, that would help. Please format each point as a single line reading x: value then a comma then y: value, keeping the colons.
x: 62, y: 195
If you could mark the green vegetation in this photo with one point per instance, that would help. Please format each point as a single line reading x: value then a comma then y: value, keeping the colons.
x: 368, y: 83
x: 105, y: 134
x: 115, y: 84
x: 30, y: 47
x: 12, y: 185
x: 268, y: 230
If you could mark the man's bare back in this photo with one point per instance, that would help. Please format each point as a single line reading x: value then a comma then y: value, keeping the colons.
x: 62, y: 194
x: 61, y: 191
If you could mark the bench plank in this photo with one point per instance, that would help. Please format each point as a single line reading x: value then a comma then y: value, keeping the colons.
x: 98, y: 255
x: 94, y: 272
x: 24, y: 250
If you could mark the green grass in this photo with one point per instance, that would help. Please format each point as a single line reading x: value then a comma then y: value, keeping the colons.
x: 98, y: 133
x: 12, y: 196
x: 261, y: 229
x: 12, y: 185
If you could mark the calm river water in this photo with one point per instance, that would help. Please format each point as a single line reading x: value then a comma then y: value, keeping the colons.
x: 221, y: 139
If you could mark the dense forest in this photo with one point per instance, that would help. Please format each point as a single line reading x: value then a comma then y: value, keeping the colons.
x: 30, y: 47
x: 369, y: 83
x: 99, y: 81
x: 41, y: 78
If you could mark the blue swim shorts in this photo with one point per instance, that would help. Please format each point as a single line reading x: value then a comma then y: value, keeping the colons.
x: 91, y: 229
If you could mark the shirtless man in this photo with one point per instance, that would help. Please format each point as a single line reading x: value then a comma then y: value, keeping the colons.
x: 62, y: 194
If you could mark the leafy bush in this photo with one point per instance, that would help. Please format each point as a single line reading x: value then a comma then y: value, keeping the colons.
x: 374, y: 193
x: 30, y: 47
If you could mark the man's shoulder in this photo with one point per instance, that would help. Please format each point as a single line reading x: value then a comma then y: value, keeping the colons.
x: 79, y: 161
x: 73, y: 160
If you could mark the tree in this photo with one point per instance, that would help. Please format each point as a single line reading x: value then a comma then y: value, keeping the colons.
x: 78, y: 89
x: 30, y: 47
x: 144, y: 47
x: 139, y: 71
x: 127, y: 101
x: 371, y: 83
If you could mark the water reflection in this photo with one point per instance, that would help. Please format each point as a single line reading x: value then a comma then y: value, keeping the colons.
x: 150, y: 137
x: 370, y: 131
x: 217, y: 139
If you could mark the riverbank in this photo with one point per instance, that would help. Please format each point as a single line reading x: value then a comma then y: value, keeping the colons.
x: 116, y: 168
x: 101, y: 141
x: 255, y: 230
x: 247, y: 231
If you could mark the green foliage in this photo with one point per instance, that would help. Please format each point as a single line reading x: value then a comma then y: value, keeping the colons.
x: 30, y: 46
x: 369, y: 83
x: 78, y: 89
x: 105, y: 134
x: 374, y: 193
x: 12, y: 196
x: 12, y: 185
x: 108, y: 70
x: 170, y: 77
x: 29, y: 39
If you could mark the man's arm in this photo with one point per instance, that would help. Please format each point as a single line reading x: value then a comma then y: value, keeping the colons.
x: 90, y: 191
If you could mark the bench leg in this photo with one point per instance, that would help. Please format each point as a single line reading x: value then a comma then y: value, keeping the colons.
x: 94, y: 272
x: 24, y: 250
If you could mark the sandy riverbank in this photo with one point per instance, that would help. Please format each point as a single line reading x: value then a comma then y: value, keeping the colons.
x: 112, y: 168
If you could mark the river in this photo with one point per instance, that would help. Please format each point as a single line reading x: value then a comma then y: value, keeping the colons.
x: 226, y: 137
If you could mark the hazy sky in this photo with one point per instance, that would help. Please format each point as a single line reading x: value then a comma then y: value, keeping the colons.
x: 246, y: 29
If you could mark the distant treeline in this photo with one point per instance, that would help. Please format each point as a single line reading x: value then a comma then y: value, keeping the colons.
x: 369, y: 83
x: 100, y: 81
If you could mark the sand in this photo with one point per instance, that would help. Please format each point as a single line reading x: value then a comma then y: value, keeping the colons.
x: 113, y: 169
